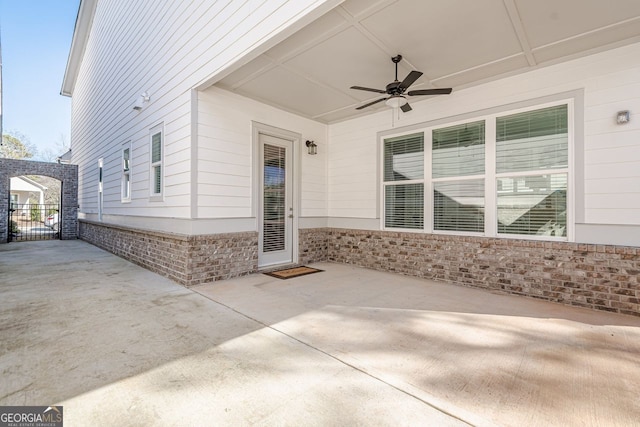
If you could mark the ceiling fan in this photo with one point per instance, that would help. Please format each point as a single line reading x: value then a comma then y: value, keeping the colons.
x: 396, y: 90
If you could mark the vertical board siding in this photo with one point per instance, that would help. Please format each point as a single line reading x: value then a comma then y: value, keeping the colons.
x: 611, y: 82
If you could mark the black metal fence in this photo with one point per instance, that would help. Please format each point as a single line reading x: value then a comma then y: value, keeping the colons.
x: 34, y: 222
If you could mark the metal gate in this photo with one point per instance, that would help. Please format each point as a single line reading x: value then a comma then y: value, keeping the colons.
x: 34, y: 222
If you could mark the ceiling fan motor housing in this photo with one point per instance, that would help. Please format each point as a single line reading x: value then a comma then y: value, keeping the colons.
x: 394, y: 88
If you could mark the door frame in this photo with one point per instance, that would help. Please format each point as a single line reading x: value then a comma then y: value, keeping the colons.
x: 258, y: 128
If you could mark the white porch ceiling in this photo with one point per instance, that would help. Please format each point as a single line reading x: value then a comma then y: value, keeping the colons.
x: 455, y: 43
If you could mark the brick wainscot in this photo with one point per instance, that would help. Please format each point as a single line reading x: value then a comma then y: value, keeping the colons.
x: 188, y: 260
x: 600, y: 277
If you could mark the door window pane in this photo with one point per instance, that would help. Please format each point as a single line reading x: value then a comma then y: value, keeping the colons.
x: 274, y: 199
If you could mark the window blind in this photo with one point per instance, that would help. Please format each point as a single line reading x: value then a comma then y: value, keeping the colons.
x: 459, y: 150
x: 157, y: 179
x: 404, y: 206
x: 459, y: 205
x: 404, y: 158
x: 533, y: 140
x: 156, y: 147
x: 533, y: 205
x: 274, y: 193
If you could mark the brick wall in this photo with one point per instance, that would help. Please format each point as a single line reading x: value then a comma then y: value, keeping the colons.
x: 188, y: 260
x: 600, y: 277
x: 313, y: 245
x: 222, y: 256
x: 66, y: 174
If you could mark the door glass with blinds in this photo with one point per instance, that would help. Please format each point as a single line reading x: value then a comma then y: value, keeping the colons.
x: 276, y: 201
x: 458, y: 167
x: 404, y: 182
x: 274, y: 214
x: 532, y: 160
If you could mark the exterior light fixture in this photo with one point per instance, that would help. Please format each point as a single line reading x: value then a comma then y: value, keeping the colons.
x: 396, y: 101
x: 623, y: 117
x: 141, y: 101
x: 312, y: 148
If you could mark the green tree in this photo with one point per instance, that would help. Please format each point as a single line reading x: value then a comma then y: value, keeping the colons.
x: 16, y: 146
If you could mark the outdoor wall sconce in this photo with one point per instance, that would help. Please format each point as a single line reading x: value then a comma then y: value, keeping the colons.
x: 623, y: 117
x: 142, y: 99
x: 312, y: 148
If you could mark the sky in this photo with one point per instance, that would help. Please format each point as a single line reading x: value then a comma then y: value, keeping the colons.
x: 36, y: 37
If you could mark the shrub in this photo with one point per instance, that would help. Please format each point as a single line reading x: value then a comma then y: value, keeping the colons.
x: 13, y: 226
x: 35, y: 213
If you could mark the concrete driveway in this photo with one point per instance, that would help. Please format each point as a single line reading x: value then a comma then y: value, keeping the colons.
x: 118, y: 345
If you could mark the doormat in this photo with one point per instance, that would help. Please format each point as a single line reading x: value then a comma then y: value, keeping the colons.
x: 290, y: 273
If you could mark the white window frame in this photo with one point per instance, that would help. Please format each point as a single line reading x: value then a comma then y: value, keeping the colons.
x: 569, y: 171
x: 100, y: 187
x: 423, y: 180
x: 125, y: 189
x: 458, y: 178
x: 153, y: 196
x: 490, y: 176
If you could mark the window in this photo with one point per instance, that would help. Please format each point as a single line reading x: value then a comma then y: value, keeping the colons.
x: 126, y: 174
x: 530, y: 145
x: 404, y: 182
x: 458, y: 163
x: 498, y: 175
x: 100, y: 187
x: 156, y: 161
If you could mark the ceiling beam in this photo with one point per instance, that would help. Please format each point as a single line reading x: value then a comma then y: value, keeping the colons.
x: 518, y: 27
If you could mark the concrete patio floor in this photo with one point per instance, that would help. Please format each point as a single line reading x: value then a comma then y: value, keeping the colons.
x: 118, y: 345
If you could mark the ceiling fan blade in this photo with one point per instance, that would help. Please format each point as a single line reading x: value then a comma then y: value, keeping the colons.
x: 410, y: 79
x: 368, y: 89
x: 371, y: 103
x: 443, y: 91
x: 406, y: 108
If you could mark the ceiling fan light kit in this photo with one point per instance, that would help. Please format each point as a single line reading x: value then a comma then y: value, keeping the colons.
x: 396, y: 101
x: 396, y: 90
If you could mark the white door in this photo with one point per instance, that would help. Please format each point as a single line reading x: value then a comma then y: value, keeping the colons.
x: 276, y: 201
